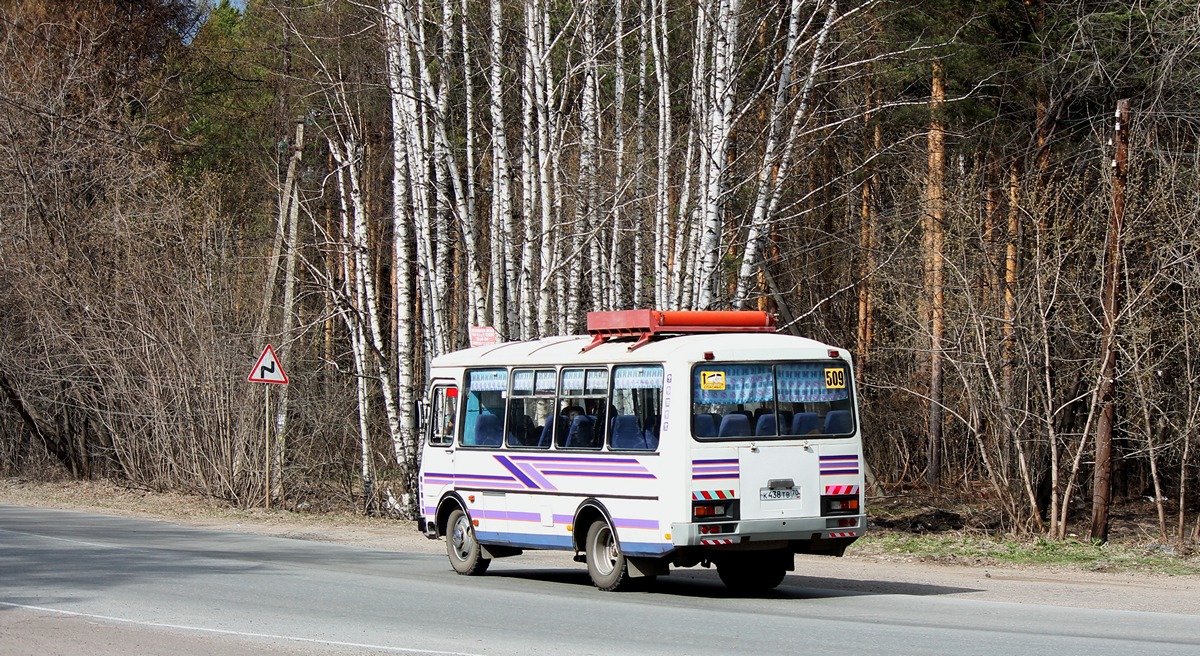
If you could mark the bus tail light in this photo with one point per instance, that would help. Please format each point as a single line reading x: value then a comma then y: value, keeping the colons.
x: 724, y: 509
x: 840, y: 505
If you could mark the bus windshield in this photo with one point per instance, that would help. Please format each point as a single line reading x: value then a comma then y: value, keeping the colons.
x: 738, y: 400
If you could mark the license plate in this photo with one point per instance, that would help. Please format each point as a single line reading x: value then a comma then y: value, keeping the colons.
x: 767, y: 494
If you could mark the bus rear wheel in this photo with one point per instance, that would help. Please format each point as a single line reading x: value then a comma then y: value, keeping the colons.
x: 605, y: 561
x: 749, y: 576
x: 466, y: 556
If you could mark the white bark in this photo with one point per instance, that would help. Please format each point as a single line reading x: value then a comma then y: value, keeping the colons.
x: 766, y: 174
x: 537, y: 37
x: 662, y: 197
x: 278, y: 449
x: 638, y: 291
x: 587, y: 219
x: 475, y: 302
x: 503, y: 276
x: 618, y: 283
x: 530, y: 325
x: 725, y: 35
x: 348, y: 156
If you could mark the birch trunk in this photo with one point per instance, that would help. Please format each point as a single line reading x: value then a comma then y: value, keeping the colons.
x: 618, y: 283
x: 503, y: 274
x: 662, y: 200
x: 725, y: 35
x: 530, y: 325
x: 289, y: 296
x: 639, y: 180
x: 768, y: 170
x: 587, y: 217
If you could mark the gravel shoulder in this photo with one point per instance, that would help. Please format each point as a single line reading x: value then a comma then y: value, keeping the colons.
x: 858, y: 573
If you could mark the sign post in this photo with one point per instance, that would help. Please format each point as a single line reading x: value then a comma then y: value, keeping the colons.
x: 268, y: 370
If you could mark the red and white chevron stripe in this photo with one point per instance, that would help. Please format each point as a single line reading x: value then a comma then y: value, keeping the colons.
x: 841, y: 489
x: 710, y: 543
x: 842, y: 535
x: 713, y: 495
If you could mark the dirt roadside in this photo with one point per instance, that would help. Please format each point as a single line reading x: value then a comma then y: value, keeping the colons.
x: 857, y: 573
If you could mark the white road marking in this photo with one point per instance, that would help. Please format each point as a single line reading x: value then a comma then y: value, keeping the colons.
x: 240, y: 634
x: 51, y: 537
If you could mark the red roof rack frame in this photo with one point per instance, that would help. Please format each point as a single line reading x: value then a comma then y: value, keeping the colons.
x: 645, y: 324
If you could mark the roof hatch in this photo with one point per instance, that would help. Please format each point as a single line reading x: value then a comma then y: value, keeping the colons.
x: 646, y: 324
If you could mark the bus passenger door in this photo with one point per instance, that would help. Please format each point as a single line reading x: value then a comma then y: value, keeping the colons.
x: 437, y: 459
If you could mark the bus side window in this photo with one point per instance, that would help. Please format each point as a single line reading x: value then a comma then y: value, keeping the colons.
x: 484, y: 408
x: 443, y: 405
x: 636, y: 407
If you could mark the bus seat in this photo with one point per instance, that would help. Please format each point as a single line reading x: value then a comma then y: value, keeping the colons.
x: 489, y: 430
x: 582, y: 433
x: 626, y: 433
x: 704, y: 426
x: 549, y: 432
x: 735, y: 424
x: 767, y: 424
x: 838, y: 422
x: 785, y: 418
x: 804, y: 423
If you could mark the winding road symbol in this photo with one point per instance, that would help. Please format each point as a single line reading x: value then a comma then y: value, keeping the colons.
x: 268, y: 369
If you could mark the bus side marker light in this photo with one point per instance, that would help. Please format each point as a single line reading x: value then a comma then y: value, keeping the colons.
x: 570, y: 528
x: 471, y: 498
x: 474, y: 522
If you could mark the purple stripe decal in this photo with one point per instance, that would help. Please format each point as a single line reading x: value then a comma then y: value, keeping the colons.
x: 651, y: 524
x: 702, y: 477
x: 533, y: 473
x: 516, y: 472
x: 524, y: 517
x: 836, y: 472
x: 599, y: 468
x: 567, y: 459
x: 563, y: 519
x: 726, y: 461
x: 482, y: 477
x: 597, y: 474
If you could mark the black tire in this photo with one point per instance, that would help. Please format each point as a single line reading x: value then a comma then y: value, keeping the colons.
x: 466, y: 556
x: 605, y: 562
x: 747, y: 576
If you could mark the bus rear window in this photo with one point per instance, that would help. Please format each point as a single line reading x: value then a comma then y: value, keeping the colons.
x: 771, y: 400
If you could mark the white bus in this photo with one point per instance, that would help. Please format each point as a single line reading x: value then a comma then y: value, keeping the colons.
x: 662, y: 439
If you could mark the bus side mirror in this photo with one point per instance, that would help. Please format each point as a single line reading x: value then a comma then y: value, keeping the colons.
x: 421, y: 410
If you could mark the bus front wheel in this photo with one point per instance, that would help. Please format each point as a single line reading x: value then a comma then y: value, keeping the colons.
x: 466, y: 556
x: 605, y: 561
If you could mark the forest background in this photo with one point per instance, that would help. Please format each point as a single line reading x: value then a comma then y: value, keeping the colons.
x: 955, y: 191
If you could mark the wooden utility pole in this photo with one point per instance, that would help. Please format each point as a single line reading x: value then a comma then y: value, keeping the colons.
x: 935, y: 244
x: 1111, y: 301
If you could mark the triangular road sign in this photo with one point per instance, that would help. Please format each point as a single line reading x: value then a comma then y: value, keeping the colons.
x: 268, y: 369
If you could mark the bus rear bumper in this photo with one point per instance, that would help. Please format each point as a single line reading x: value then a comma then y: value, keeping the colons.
x: 761, y: 532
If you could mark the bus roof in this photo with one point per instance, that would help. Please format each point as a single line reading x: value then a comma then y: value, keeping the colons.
x: 570, y: 350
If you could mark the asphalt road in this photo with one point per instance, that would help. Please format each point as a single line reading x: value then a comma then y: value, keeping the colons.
x: 73, y: 583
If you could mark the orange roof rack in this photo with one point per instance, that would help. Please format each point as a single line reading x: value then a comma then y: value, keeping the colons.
x: 646, y: 324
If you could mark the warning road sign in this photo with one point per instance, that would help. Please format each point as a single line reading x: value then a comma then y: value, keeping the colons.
x: 268, y: 369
